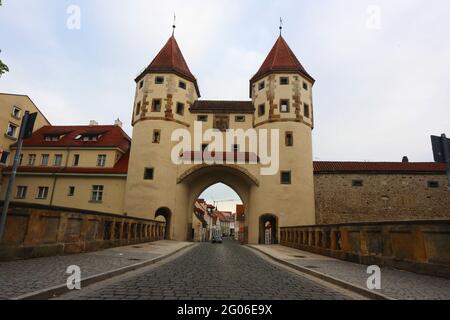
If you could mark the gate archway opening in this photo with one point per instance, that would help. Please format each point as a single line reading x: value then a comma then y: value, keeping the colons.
x: 166, y: 214
x: 218, y: 211
x: 268, y: 229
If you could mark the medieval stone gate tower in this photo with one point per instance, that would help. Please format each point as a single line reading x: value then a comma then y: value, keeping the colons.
x: 167, y: 99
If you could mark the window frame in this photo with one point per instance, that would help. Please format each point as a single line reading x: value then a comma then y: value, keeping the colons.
x: 31, y: 160
x: 15, y: 128
x: 305, y: 86
x: 289, y: 143
x: 286, y: 83
x: 45, y: 157
x: 101, y: 160
x: 182, y: 85
x: 58, y: 163
x: 138, y: 109
x: 97, y: 193
x: 76, y: 160
x: 42, y: 193
x: 154, y: 101
x: 432, y: 184
x: 357, y: 183
x: 156, y: 141
x: 182, y: 105
x: 23, y: 194
x: 261, y: 85
x: 288, y: 105
x: 161, y: 78
x: 205, y: 117
x: 306, y: 110
x: 71, y: 192
x: 16, y: 108
x: 240, y: 119
x: 261, y: 107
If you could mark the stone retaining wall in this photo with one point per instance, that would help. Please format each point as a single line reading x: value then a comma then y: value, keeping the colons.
x: 417, y: 246
x: 37, y: 231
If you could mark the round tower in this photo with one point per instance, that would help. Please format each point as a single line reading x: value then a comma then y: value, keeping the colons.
x: 281, y: 92
x: 165, y: 90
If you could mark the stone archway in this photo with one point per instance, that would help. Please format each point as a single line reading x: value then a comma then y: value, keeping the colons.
x: 198, y: 179
x: 268, y: 229
x: 167, y: 215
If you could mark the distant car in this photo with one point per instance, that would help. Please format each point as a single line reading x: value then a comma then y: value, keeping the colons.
x: 216, y: 239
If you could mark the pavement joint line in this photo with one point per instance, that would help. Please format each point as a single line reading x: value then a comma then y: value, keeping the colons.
x: 330, y: 279
x: 55, y: 291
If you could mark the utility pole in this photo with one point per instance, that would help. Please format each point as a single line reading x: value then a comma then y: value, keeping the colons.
x: 26, y: 130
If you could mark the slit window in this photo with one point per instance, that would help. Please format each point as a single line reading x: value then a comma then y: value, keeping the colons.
x: 357, y: 183
x: 138, y: 108
x: 156, y: 136
x: 433, y: 184
x: 307, y: 111
x: 286, y: 177
x: 71, y: 192
x: 289, y: 139
x: 76, y: 160
x: 261, y: 110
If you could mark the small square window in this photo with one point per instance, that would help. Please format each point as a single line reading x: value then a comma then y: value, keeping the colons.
x: 182, y: 85
x: 11, y: 131
x: 141, y: 84
x: 289, y: 139
x: 286, y: 177
x: 261, y: 85
x: 159, y: 80
x: 284, y: 81
x: 357, y: 183
x: 180, y: 108
x: 261, y: 110
x: 156, y: 136
x: 239, y: 119
x: 71, y: 192
x: 433, y: 184
x: 307, y: 111
x: 138, y: 108
x: 156, y: 105
x: 284, y: 106
x: 149, y: 174
x: 305, y: 86
x: 16, y: 112
x: 202, y: 118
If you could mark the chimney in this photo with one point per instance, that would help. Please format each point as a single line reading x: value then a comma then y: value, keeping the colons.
x: 405, y: 159
x: 93, y: 123
x: 118, y: 123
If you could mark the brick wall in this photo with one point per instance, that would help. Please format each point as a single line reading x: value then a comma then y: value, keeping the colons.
x: 382, y: 197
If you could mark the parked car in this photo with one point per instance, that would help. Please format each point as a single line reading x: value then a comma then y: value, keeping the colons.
x: 217, y: 239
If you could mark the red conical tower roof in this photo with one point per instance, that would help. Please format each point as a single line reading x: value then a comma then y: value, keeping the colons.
x: 170, y: 60
x: 281, y: 59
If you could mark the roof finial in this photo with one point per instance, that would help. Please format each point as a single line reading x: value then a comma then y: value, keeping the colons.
x: 174, y: 24
x: 281, y: 25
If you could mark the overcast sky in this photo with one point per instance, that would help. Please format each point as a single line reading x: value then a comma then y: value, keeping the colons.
x: 382, y: 67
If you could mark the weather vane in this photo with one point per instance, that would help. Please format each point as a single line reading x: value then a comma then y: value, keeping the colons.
x: 281, y: 25
x: 174, y: 24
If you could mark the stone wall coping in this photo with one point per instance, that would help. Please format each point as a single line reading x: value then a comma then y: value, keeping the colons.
x: 374, y: 223
x: 14, y: 206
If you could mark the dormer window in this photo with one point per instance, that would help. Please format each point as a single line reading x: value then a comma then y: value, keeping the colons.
x: 89, y: 137
x: 16, y: 112
x: 53, y: 137
x: 182, y: 85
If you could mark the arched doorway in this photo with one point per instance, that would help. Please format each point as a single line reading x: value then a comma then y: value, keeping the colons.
x: 167, y: 215
x: 268, y: 229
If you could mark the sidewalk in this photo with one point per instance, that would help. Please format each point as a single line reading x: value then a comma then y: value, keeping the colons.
x: 26, y: 278
x: 395, y: 284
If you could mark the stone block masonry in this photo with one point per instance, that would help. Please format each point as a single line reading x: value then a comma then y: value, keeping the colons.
x: 34, y: 231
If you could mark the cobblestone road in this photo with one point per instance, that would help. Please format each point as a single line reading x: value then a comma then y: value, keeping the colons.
x: 214, y: 272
